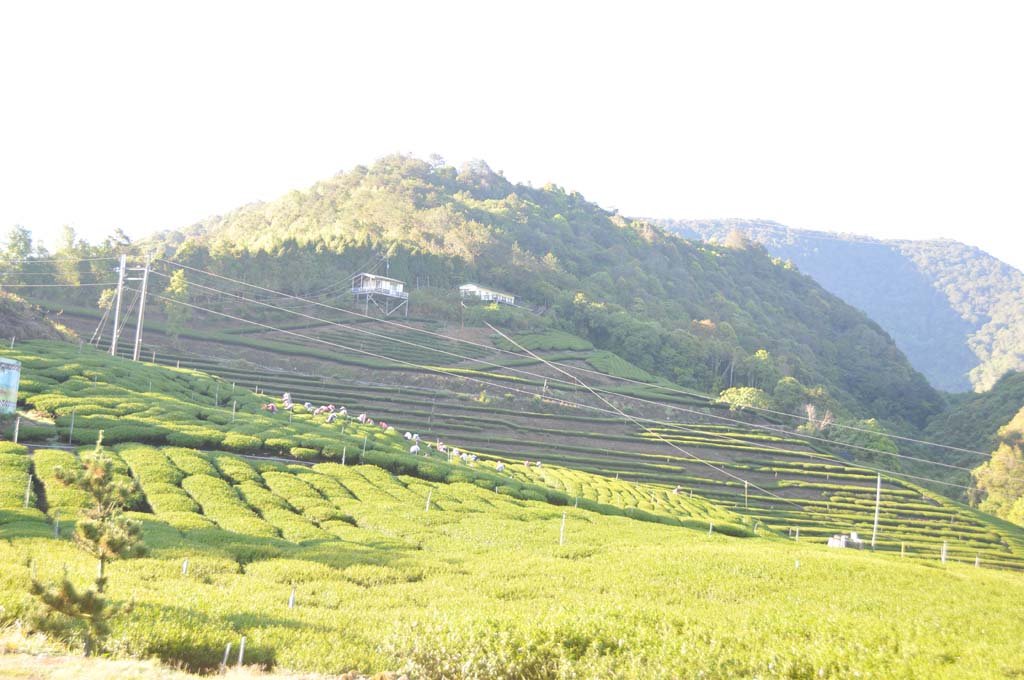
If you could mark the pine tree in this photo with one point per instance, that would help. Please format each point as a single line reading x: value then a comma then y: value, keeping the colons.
x: 105, y: 533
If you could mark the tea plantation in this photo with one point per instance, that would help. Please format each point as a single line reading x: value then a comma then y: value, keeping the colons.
x: 793, y: 487
x: 439, y: 569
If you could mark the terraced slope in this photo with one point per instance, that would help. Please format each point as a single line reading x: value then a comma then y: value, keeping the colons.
x: 790, y: 486
x: 86, y: 392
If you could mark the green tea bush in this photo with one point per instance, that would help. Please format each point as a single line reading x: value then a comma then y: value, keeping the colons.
x: 189, y: 461
x: 241, y: 442
x: 278, y: 444
x: 317, y: 442
x: 321, y: 514
x: 150, y: 466
x: 11, y: 447
x: 298, y: 493
x: 185, y: 637
x: 293, y: 527
x: 261, y: 498
x: 50, y: 402
x: 532, y: 495
x: 219, y: 417
x: 459, y: 476
x: 132, y: 432
x: 372, y: 575
x: 290, y: 571
x: 68, y: 499
x: 234, y: 468
x: 164, y: 498
x: 328, y: 486
x: 301, y: 453
x: 186, y: 521
x: 432, y: 471
x: 221, y: 503
x: 14, y: 476
x: 21, y: 523
x: 191, y: 436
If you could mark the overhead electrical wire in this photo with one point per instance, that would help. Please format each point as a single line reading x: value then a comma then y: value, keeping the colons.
x: 64, y: 259
x: 52, y: 285
x: 443, y: 372
x: 553, y: 365
x: 674, y: 390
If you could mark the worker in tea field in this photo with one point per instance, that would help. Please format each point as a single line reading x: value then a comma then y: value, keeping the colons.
x: 500, y: 467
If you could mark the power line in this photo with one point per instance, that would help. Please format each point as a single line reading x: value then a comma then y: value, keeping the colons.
x: 633, y: 381
x: 674, y: 390
x: 553, y: 365
x: 636, y: 422
x: 515, y: 389
x: 51, y: 285
x: 473, y: 379
x: 64, y: 259
x: 538, y: 376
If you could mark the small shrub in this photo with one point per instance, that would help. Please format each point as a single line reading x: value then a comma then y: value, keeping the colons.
x: 241, y: 442
x: 302, y: 453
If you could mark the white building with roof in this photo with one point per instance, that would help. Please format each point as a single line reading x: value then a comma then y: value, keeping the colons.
x: 384, y: 292
x: 473, y: 290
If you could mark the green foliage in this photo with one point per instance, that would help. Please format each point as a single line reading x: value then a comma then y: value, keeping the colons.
x: 547, y: 341
x: 869, y: 434
x: 999, y: 483
x: 627, y: 287
x: 175, y: 307
x: 974, y: 420
x: 739, y: 398
x: 954, y: 310
x: 105, y: 533
x: 300, y: 453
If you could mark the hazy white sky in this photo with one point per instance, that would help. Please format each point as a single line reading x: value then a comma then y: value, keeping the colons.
x: 887, y: 119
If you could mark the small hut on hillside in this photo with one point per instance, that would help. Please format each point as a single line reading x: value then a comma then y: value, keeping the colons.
x: 386, y: 294
x: 472, y: 290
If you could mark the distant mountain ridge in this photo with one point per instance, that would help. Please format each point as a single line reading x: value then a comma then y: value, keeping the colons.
x: 955, y: 311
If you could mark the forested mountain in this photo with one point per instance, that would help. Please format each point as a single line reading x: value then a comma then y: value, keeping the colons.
x: 957, y: 312
x: 707, y: 317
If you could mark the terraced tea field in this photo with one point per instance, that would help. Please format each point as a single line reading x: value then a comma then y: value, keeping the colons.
x: 791, y: 486
x: 594, y: 567
x: 450, y: 579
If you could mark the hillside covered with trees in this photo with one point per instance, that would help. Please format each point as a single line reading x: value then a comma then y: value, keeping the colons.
x: 706, y: 317
x: 957, y: 312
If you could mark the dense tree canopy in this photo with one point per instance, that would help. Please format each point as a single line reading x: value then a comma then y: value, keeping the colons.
x: 708, y: 317
x: 956, y: 311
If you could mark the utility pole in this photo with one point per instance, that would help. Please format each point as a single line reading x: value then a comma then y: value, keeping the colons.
x: 878, y: 501
x: 142, y: 309
x: 117, y: 305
